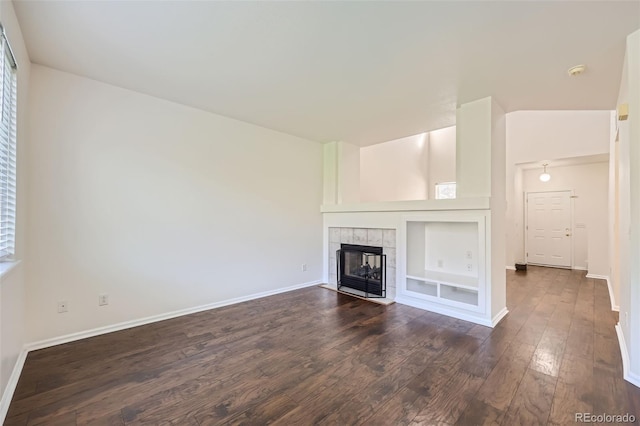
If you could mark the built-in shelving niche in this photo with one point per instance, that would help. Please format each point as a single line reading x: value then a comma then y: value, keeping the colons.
x: 445, y: 262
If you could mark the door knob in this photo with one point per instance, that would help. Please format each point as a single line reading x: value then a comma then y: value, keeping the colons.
x: 568, y: 235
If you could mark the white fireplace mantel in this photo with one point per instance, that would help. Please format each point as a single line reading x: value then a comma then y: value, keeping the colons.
x: 479, y: 203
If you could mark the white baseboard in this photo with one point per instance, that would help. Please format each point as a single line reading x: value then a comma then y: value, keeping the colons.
x: 596, y: 276
x: 614, y: 307
x: 626, y: 365
x: 161, y: 317
x: 510, y: 268
x: 443, y: 310
x: 612, y: 298
x: 496, y: 319
x: 5, y: 401
x: 579, y: 268
x: 17, y: 370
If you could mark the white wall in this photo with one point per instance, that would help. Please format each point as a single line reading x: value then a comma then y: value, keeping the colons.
x: 546, y: 135
x: 12, y: 285
x: 447, y: 244
x: 614, y: 211
x: 589, y: 183
x: 161, y: 206
x: 12, y: 322
x: 442, y: 157
x: 395, y: 170
x: 629, y: 210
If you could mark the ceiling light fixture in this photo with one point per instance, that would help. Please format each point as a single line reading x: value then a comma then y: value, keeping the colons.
x: 577, y: 70
x: 544, y: 176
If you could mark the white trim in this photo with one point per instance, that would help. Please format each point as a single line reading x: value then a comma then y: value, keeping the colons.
x: 612, y: 299
x: 11, y: 385
x: 510, y: 268
x: 628, y: 375
x: 597, y: 277
x: 568, y: 268
x: 442, y: 310
x: 498, y: 317
x: 479, y: 203
x: 7, y: 266
x: 161, y: 317
x: 579, y: 268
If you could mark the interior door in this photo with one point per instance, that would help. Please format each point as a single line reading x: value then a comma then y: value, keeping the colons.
x: 549, y: 228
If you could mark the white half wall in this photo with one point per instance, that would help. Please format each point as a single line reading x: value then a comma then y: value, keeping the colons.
x: 590, y: 184
x: 395, y: 170
x: 161, y: 206
x: 539, y: 136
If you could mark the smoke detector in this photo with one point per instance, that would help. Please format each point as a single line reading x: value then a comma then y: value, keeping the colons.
x: 577, y: 70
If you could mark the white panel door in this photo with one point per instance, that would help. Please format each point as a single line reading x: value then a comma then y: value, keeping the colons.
x: 549, y: 228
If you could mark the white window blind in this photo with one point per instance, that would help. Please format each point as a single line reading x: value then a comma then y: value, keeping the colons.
x: 8, y: 89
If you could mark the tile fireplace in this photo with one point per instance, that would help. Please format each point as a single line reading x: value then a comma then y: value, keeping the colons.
x: 372, y: 237
x: 362, y: 268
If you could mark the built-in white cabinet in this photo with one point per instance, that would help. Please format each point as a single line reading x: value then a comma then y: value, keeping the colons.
x: 445, y: 264
x: 444, y: 256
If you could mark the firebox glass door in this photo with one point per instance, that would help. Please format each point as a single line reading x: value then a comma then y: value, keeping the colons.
x: 363, y: 265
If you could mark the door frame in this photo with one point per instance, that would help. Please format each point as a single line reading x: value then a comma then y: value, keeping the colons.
x: 526, y: 226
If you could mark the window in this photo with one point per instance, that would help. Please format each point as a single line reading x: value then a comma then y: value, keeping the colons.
x: 446, y: 190
x: 7, y: 149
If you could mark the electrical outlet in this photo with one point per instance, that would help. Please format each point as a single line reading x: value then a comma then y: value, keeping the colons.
x: 63, y: 306
x: 304, y: 267
x: 469, y: 254
x: 440, y: 263
x: 469, y: 267
x: 103, y: 300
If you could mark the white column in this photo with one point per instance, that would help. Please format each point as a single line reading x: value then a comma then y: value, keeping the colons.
x: 348, y: 173
x: 480, y: 172
x: 330, y: 173
x: 341, y: 173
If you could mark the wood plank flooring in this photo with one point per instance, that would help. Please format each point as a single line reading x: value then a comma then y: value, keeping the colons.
x: 313, y: 356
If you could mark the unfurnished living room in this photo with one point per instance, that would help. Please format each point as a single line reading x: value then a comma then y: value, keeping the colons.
x: 319, y: 212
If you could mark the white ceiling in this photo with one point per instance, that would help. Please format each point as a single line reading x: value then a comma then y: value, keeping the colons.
x: 361, y: 72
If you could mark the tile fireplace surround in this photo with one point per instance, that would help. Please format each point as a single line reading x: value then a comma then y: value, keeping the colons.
x: 378, y: 237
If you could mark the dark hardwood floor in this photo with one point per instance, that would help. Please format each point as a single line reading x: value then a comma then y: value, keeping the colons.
x: 313, y: 356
